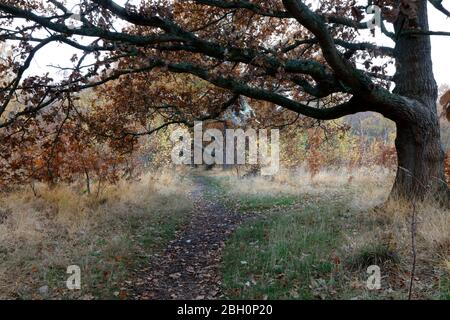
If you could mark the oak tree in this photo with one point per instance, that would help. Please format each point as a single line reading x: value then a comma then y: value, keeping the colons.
x: 287, y: 54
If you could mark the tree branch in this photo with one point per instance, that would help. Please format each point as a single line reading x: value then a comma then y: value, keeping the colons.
x: 438, y: 5
x: 342, y: 68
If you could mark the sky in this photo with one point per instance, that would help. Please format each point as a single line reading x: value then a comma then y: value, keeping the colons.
x: 440, y: 44
x: 59, y: 54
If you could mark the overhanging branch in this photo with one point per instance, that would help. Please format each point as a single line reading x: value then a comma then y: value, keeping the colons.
x: 438, y: 5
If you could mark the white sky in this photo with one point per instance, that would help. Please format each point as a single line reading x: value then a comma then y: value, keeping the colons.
x: 59, y: 54
x: 440, y: 44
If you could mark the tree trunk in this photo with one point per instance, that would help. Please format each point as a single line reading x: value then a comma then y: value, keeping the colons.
x: 88, y: 181
x: 419, y: 148
x: 421, y: 160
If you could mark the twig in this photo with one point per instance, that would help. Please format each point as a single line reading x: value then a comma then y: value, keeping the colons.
x: 413, y: 231
x: 413, y: 248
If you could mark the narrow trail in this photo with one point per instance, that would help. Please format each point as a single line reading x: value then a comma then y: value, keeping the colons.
x: 189, y: 266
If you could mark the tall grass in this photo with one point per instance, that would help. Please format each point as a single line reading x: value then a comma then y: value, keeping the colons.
x: 371, y: 231
x: 105, y: 234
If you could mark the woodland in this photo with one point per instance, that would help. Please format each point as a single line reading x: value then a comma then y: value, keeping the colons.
x: 92, y: 90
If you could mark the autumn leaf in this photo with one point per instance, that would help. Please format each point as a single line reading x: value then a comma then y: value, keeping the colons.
x: 445, y: 103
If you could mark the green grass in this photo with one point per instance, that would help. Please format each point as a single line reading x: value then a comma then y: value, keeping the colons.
x: 106, y: 256
x: 139, y: 237
x: 159, y: 230
x: 301, y: 248
x: 372, y: 254
x: 264, y: 202
x: 287, y: 253
x: 283, y: 256
x: 444, y: 287
x: 217, y: 191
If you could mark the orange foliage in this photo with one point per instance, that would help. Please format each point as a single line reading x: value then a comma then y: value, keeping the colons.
x: 445, y: 103
x: 58, y: 153
x: 316, y: 158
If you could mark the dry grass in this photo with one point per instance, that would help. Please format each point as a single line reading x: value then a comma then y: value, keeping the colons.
x: 381, y: 235
x: 104, y: 234
x: 369, y: 182
x: 389, y: 228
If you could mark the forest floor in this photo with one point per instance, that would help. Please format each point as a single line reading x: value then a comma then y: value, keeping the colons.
x: 189, y: 266
x: 315, y: 238
x: 218, y: 235
x: 257, y: 239
x: 106, y: 234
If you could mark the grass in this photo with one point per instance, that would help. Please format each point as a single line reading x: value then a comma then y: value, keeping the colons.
x: 107, y: 237
x: 278, y: 257
x: 444, y: 288
x: 264, y: 202
x: 372, y: 254
x: 306, y: 238
x: 220, y: 188
x: 315, y: 238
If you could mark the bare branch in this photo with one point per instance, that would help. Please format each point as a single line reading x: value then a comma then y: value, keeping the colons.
x: 438, y: 5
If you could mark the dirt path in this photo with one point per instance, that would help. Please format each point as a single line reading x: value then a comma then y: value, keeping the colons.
x: 189, y: 266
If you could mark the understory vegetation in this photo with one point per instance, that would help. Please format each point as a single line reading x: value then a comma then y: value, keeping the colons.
x: 107, y: 235
x: 305, y: 237
x: 116, y: 118
x: 311, y: 230
x: 321, y: 236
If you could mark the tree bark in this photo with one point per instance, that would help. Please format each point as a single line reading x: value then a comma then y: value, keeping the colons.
x: 88, y: 181
x: 420, y: 153
x: 421, y: 160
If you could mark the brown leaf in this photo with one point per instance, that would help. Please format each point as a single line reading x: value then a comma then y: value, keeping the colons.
x: 445, y: 99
